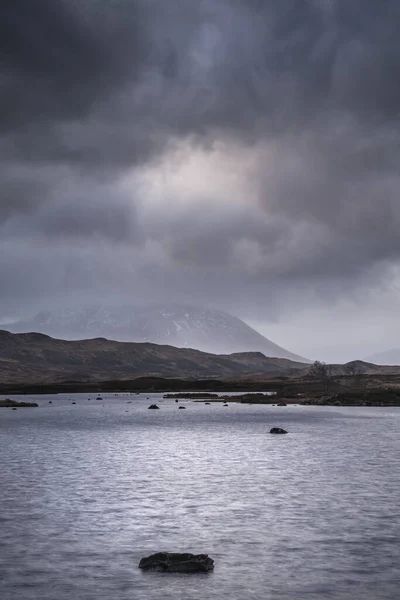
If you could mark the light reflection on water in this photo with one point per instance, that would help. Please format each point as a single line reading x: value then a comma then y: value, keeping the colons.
x: 88, y: 489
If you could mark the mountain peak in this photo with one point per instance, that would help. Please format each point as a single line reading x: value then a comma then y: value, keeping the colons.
x: 175, y: 325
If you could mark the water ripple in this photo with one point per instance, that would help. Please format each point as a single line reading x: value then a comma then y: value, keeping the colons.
x: 87, y: 490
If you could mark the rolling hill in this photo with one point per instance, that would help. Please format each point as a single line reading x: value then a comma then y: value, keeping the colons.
x: 34, y: 357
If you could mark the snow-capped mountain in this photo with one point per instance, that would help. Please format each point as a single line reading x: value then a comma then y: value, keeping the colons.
x: 182, y: 326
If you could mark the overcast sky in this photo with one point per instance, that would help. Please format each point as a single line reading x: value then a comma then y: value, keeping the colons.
x: 236, y: 154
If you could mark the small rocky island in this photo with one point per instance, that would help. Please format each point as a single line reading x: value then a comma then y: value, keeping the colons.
x: 175, y: 562
x: 7, y: 403
x: 191, y: 395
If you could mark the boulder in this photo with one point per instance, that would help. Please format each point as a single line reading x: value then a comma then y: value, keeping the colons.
x: 175, y: 562
x: 182, y: 407
x: 278, y: 430
x: 154, y: 406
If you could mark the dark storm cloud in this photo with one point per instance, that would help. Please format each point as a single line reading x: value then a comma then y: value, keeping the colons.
x: 187, y: 67
x: 229, y: 62
x: 91, y: 89
x: 57, y: 59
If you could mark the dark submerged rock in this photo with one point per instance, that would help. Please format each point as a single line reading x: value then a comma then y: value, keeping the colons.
x: 278, y: 430
x: 175, y: 562
x: 153, y: 407
x: 182, y: 407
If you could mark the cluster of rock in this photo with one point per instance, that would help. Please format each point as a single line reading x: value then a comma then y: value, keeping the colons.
x: 331, y: 400
x: 155, y: 407
x: 7, y: 403
x: 191, y: 395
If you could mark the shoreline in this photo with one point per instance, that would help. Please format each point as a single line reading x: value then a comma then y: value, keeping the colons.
x: 269, y: 391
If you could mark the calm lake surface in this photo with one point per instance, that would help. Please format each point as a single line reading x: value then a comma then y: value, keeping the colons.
x: 88, y: 489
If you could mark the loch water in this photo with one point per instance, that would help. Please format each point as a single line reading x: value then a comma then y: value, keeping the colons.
x: 87, y: 489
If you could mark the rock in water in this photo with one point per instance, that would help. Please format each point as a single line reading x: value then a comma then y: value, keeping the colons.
x: 278, y: 430
x: 175, y: 562
x: 153, y: 406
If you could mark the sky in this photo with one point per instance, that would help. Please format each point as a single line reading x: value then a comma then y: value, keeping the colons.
x: 235, y: 154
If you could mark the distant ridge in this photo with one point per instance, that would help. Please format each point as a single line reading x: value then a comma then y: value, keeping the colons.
x: 177, y: 325
x: 388, y: 357
x: 36, y: 357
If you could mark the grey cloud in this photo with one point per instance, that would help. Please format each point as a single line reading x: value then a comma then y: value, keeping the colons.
x: 191, y: 66
x: 70, y: 207
x: 92, y: 89
x: 58, y: 58
x: 345, y: 189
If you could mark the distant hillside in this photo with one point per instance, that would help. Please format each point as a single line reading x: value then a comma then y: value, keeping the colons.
x: 360, y: 367
x: 182, y: 326
x: 34, y: 357
x: 389, y: 357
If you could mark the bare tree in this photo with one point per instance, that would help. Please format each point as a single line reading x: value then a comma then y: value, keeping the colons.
x: 322, y: 372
